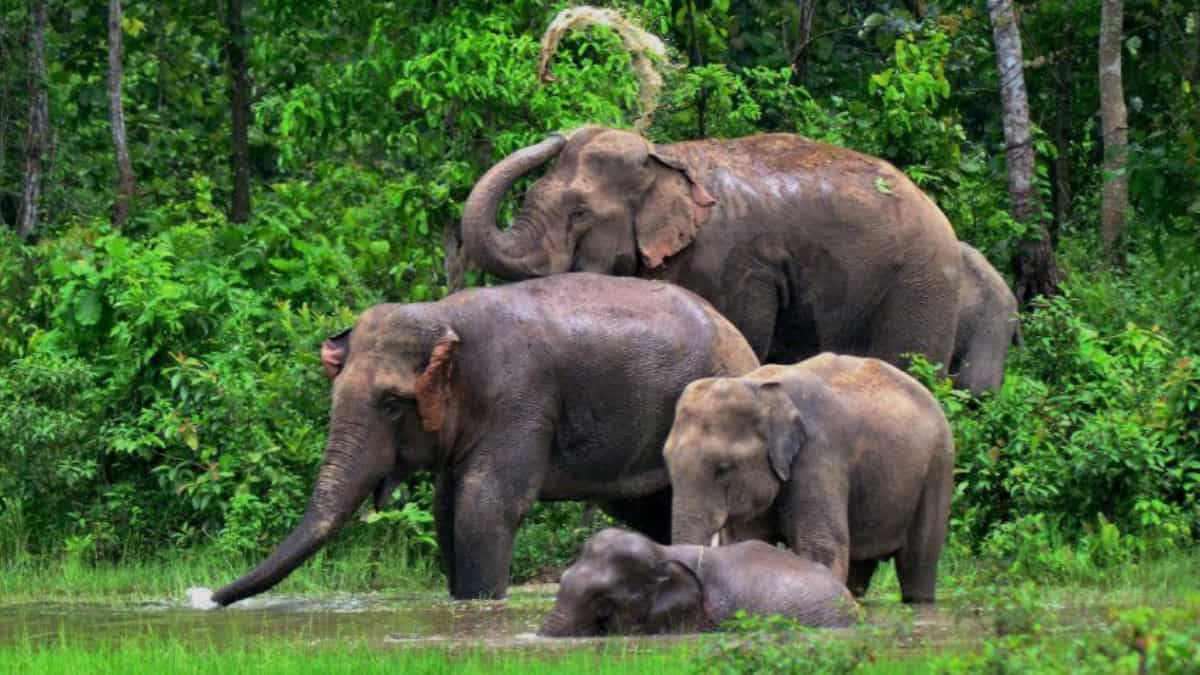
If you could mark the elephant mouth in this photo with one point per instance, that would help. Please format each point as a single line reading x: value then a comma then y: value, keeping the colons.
x: 384, y: 491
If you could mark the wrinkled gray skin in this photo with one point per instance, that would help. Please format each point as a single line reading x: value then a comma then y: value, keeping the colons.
x: 987, y: 325
x: 552, y: 389
x: 805, y: 247
x: 624, y: 583
x: 848, y: 460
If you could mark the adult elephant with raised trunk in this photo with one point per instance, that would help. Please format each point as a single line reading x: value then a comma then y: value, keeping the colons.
x: 551, y: 389
x: 806, y: 247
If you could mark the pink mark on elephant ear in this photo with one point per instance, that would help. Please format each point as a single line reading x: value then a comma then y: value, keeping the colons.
x: 674, y: 209
x: 333, y: 353
x: 433, y: 388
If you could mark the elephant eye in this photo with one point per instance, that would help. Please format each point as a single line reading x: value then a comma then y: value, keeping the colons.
x: 393, y: 404
x: 577, y: 213
x: 722, y: 469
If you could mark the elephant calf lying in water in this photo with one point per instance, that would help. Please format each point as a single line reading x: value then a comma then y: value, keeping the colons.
x: 625, y: 583
x: 848, y: 460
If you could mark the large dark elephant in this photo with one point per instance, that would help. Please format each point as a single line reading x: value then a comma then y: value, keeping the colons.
x: 847, y: 460
x: 987, y: 325
x: 625, y: 583
x: 551, y: 389
x: 805, y: 247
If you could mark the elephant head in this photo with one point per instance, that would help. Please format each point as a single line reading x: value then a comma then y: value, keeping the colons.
x: 393, y: 406
x: 613, y: 203
x: 624, y: 583
x: 729, y: 452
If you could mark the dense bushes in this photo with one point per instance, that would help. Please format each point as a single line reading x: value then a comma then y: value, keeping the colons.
x: 160, y: 385
x: 1091, y: 452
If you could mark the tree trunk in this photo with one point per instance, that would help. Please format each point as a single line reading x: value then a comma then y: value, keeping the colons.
x: 1037, y: 272
x: 116, y: 114
x: 456, y: 258
x: 1060, y: 134
x: 239, y: 97
x: 37, y: 137
x: 805, y: 10
x: 697, y: 60
x: 1114, y: 196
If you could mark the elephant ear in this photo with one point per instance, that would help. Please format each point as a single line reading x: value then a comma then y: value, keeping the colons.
x: 433, y: 390
x: 334, y: 351
x: 678, y: 598
x: 672, y: 211
x: 784, y: 428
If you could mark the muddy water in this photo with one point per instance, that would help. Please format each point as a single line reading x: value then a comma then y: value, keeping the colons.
x: 412, y: 620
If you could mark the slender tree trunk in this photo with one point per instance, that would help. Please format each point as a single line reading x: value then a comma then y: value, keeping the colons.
x: 455, y: 263
x: 116, y: 115
x: 239, y: 96
x: 1036, y: 270
x: 805, y: 10
x: 37, y: 137
x: 697, y: 59
x: 1060, y: 134
x: 5, y: 99
x: 1114, y: 196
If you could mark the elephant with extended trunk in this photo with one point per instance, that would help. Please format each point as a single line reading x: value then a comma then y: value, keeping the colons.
x: 987, y: 325
x: 849, y: 461
x: 624, y: 583
x: 551, y: 389
x: 805, y: 247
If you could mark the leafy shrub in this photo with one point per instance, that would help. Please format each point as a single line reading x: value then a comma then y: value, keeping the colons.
x: 1138, y: 640
x: 776, y: 644
x: 1089, y: 453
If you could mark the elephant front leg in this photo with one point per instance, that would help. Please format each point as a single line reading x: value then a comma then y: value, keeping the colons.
x: 488, y: 507
x: 443, y: 519
x: 816, y: 519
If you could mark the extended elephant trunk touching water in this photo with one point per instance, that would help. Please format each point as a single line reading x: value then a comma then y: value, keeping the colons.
x: 495, y: 390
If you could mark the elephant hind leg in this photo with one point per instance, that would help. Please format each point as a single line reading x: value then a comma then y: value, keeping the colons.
x: 650, y: 515
x: 918, y: 317
x: 859, y: 579
x: 917, y: 560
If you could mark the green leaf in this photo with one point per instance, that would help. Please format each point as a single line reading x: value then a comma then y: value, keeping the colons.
x: 1133, y: 44
x: 881, y: 185
x: 88, y: 307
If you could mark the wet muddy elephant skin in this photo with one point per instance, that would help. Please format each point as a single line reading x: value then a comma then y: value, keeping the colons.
x: 987, y: 325
x: 848, y: 460
x: 805, y: 247
x: 552, y: 389
x: 624, y: 583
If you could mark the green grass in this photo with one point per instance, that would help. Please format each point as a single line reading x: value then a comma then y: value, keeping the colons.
x: 175, y: 657
x: 345, y: 570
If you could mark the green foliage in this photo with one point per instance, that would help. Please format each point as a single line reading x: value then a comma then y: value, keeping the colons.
x: 551, y: 538
x: 160, y: 385
x: 776, y: 644
x: 1139, y: 640
x: 1089, y: 457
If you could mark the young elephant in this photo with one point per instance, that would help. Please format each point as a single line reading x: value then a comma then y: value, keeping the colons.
x: 987, y: 325
x: 848, y: 460
x: 553, y: 389
x: 625, y: 583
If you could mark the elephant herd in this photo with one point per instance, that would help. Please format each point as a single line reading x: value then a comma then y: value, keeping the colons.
x: 646, y: 395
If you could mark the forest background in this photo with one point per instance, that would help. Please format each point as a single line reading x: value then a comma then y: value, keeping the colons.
x: 291, y: 163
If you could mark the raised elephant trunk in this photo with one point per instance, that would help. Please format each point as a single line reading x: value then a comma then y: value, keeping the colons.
x: 512, y: 254
x: 335, y: 497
